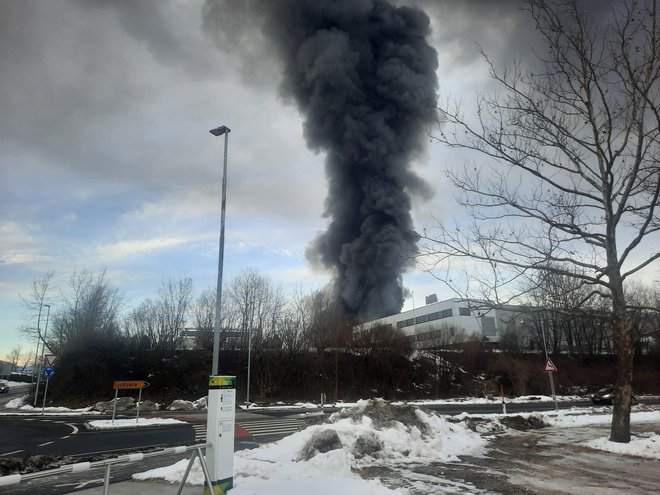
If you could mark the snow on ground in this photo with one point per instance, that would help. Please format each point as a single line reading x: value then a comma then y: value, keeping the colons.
x: 106, y: 424
x: 640, y: 446
x: 368, y: 440
x: 20, y: 404
x: 322, y: 459
x: 433, y: 402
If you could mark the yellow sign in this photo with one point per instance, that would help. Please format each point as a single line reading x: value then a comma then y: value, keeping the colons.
x: 130, y: 384
x: 222, y: 381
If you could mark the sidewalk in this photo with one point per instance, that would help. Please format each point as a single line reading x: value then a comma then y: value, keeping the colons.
x: 143, y: 488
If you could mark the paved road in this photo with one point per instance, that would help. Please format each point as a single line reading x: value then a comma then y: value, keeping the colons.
x: 14, y: 393
x: 57, y: 437
x: 67, y: 436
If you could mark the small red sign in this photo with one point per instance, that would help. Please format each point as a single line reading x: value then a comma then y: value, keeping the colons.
x: 550, y: 366
x: 50, y: 359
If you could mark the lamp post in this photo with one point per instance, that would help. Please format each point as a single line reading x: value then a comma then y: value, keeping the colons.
x: 220, y: 131
x: 249, y: 363
x: 39, y: 357
x: 221, y: 415
x: 36, y: 352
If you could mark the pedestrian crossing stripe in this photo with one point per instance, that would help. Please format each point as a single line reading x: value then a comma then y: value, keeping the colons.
x: 258, y: 428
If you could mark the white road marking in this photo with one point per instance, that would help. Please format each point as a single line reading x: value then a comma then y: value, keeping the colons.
x: 10, y: 453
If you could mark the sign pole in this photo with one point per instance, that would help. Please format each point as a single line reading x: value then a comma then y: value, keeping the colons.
x: 43, y: 404
x: 114, y: 405
x: 502, y: 395
x: 549, y: 367
x: 552, y: 389
x: 137, y: 416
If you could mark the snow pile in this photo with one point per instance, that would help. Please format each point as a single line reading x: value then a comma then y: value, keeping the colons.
x: 20, y: 404
x: 643, y: 446
x: 15, y: 403
x: 106, y: 424
x: 322, y: 459
x: 577, y: 417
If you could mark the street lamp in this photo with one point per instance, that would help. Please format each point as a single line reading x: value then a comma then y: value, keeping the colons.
x: 247, y: 394
x: 43, y: 348
x: 221, y: 413
x: 220, y: 131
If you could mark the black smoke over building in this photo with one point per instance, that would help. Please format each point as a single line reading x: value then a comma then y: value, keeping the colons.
x: 364, y: 77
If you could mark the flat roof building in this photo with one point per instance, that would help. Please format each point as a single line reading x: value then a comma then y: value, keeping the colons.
x: 451, y: 321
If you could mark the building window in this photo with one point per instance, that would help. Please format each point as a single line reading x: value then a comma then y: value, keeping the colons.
x: 406, y: 323
x: 488, y: 326
x: 446, y: 313
x: 464, y: 311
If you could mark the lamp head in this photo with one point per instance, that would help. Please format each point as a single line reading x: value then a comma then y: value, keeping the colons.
x: 219, y: 131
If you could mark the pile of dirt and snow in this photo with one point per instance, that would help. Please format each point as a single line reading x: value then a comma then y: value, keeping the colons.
x: 373, y: 432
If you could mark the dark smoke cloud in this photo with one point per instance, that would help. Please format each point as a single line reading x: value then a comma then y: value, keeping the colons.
x: 364, y: 77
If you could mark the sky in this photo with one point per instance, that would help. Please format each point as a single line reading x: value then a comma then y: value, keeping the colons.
x: 106, y: 161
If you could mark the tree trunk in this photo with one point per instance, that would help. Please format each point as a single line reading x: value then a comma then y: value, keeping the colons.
x: 624, y: 373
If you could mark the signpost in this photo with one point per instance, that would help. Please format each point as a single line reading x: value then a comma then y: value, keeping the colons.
x: 550, y: 368
x: 48, y: 372
x: 128, y: 385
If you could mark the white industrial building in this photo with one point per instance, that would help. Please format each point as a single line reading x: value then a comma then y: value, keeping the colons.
x: 452, y: 321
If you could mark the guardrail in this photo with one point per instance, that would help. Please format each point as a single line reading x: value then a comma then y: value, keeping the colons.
x: 78, y: 467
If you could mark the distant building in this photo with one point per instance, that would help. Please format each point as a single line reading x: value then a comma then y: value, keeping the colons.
x: 6, y: 368
x: 454, y: 320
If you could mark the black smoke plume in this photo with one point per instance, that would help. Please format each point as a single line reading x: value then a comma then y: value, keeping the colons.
x: 364, y: 77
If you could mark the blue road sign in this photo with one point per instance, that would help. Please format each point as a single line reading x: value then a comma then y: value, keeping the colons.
x: 49, y: 371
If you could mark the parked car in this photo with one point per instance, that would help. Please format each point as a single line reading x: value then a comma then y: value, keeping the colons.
x: 606, y: 395
x: 4, y: 388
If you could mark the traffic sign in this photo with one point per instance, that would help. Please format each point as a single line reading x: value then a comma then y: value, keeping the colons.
x: 50, y: 359
x: 49, y: 371
x: 130, y: 384
x: 550, y: 366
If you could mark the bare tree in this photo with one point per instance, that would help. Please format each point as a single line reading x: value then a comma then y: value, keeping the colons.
x: 255, y: 303
x: 575, y: 177
x: 14, y: 356
x: 40, y: 296
x: 89, y: 314
x: 203, y: 316
x: 161, y: 321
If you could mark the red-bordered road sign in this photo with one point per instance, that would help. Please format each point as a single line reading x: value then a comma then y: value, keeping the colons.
x: 550, y: 366
x: 50, y: 359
